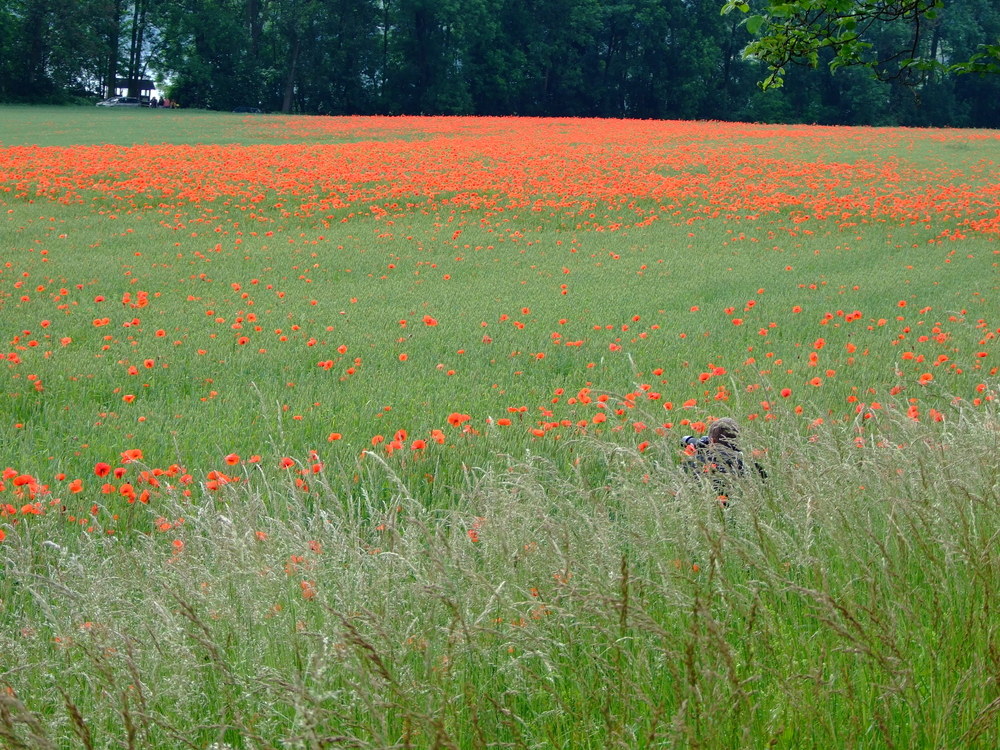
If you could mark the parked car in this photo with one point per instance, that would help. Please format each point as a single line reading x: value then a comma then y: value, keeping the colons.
x: 120, y: 101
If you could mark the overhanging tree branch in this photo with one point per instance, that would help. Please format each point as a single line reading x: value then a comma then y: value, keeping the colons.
x: 796, y: 31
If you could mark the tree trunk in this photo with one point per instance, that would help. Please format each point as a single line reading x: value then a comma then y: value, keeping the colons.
x: 286, y: 102
x: 114, y: 39
x: 135, y: 48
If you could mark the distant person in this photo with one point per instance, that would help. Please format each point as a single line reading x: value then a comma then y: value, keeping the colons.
x: 153, y: 103
x: 716, y: 458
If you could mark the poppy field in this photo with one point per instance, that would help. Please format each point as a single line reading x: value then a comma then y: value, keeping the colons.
x: 366, y: 431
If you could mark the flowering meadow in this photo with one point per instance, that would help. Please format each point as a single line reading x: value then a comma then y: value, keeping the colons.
x: 366, y: 432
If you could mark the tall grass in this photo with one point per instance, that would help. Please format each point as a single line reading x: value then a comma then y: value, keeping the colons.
x: 846, y: 601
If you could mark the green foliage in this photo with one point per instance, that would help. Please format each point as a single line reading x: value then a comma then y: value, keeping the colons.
x: 662, y: 59
x: 894, y: 39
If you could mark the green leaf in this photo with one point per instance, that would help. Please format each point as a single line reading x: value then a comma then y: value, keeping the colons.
x: 732, y: 5
x: 754, y: 23
x: 773, y: 81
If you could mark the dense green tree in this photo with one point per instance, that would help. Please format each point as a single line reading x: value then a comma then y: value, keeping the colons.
x: 296, y: 27
x: 975, y: 97
x: 204, y: 49
x: 607, y: 58
x: 50, y: 50
x: 8, y: 51
x: 339, y: 74
x: 423, y: 63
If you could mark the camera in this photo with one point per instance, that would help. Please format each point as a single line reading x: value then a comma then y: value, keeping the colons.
x: 695, y: 442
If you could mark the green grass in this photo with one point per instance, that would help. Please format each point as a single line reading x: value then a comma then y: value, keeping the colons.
x: 501, y: 588
x: 73, y: 126
x: 815, y: 613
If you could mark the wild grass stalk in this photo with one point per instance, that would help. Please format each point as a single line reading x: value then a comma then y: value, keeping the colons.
x: 843, y: 601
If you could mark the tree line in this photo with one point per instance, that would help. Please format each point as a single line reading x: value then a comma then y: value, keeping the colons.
x: 659, y: 59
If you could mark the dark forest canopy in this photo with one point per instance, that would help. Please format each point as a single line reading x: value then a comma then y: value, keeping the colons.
x: 607, y: 58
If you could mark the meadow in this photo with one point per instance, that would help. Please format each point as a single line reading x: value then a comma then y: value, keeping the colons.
x: 365, y: 432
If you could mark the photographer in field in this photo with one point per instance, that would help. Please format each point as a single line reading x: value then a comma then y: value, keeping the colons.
x: 717, y: 458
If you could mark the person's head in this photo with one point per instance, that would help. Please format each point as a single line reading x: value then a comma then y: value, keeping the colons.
x: 724, y: 431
